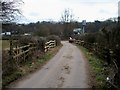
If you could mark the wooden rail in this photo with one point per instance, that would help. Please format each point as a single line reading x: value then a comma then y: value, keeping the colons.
x: 91, y: 46
x: 23, y: 51
x: 50, y: 44
x: 20, y: 54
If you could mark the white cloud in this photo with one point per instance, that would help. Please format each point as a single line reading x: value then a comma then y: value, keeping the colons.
x: 35, y: 10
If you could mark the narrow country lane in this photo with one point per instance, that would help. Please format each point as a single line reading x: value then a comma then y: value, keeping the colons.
x: 67, y: 69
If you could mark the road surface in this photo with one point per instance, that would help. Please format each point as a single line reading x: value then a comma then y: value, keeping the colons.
x: 67, y: 69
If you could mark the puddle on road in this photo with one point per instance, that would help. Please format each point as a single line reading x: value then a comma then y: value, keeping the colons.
x: 68, y: 57
x: 61, y: 81
x: 64, y: 74
x: 66, y: 69
x: 47, y: 68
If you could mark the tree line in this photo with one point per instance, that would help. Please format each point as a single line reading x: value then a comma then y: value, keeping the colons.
x: 63, y: 30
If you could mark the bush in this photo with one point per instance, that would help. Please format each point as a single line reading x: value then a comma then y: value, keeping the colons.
x: 40, y: 42
x: 90, y: 38
x: 8, y: 66
x: 25, y: 40
x: 107, y: 47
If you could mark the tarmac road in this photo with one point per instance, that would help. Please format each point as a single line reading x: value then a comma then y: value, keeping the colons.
x: 67, y: 69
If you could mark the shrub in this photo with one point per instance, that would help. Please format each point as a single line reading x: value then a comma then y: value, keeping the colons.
x: 25, y: 40
x: 8, y: 66
x: 108, y: 46
x: 90, y: 38
x: 40, y: 42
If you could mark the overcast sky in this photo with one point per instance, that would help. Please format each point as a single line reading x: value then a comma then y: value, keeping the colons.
x: 89, y: 10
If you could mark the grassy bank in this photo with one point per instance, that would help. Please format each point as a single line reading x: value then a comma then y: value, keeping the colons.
x: 30, y: 66
x: 98, y: 72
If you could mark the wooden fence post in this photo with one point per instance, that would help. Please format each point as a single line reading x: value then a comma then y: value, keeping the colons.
x: 11, y: 59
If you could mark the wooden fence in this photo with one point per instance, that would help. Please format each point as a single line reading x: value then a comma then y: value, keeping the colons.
x: 49, y: 44
x: 21, y: 54
x: 26, y: 50
x: 91, y: 46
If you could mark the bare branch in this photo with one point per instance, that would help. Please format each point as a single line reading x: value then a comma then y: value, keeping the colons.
x: 9, y: 10
x: 67, y: 16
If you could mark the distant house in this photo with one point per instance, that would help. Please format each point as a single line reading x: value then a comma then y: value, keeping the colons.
x: 5, y: 34
x: 2, y: 34
x: 78, y: 31
x: 26, y: 34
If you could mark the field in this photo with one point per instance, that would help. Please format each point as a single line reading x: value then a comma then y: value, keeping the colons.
x: 4, y: 44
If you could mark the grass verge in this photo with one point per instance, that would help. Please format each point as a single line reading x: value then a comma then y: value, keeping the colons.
x: 98, y: 72
x: 30, y: 67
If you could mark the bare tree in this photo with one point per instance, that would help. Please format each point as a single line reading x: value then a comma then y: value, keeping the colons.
x: 9, y: 10
x: 67, y: 19
x: 67, y: 16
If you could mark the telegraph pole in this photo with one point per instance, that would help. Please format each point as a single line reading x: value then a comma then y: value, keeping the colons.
x: 83, y: 26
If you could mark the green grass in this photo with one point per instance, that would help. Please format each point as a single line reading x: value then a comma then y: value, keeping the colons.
x: 4, y: 44
x: 30, y: 66
x: 96, y: 65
